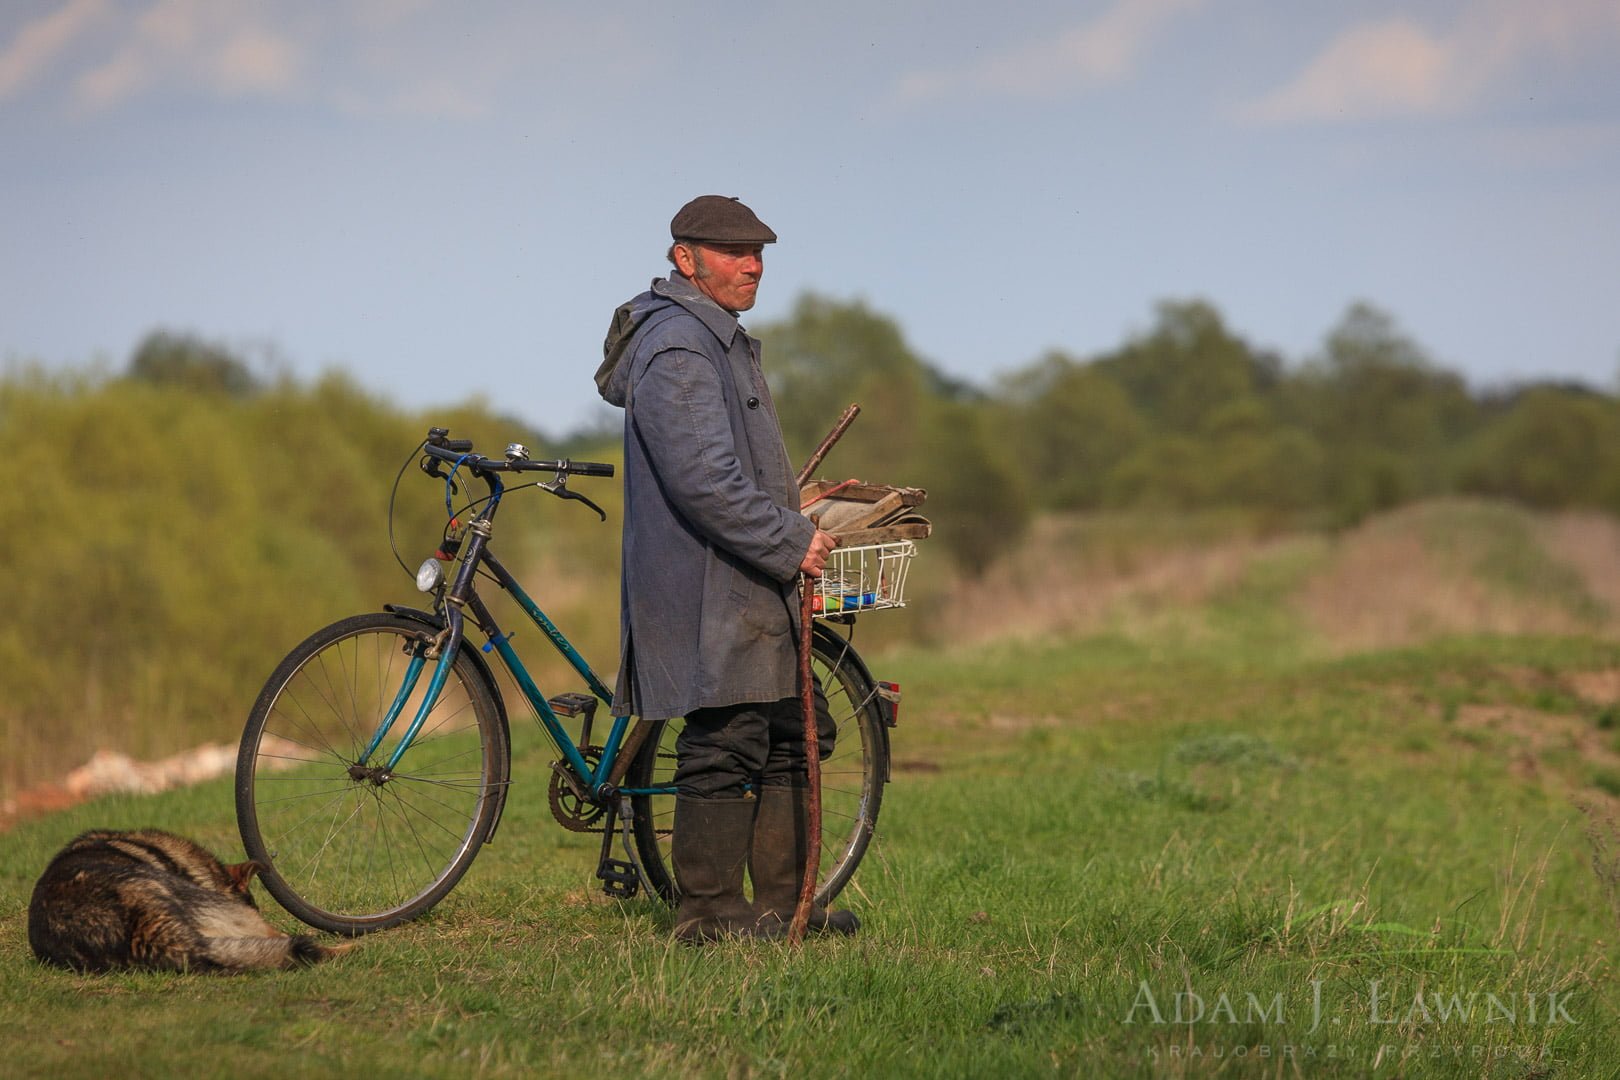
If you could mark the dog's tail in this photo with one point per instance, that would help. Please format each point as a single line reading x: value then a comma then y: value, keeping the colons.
x: 267, y: 953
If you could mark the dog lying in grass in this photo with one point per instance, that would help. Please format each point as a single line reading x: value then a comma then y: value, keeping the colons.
x: 151, y: 899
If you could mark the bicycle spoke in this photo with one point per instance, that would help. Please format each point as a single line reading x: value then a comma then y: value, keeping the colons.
x: 325, y: 748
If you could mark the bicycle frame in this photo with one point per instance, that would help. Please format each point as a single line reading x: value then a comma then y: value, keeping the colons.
x: 601, y: 782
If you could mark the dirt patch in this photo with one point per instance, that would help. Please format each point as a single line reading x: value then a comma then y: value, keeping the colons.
x: 1023, y: 722
x: 1064, y: 580
x: 1540, y: 731
x: 1536, y: 740
x: 1387, y: 586
x: 1588, y: 544
x: 1411, y: 575
x: 1420, y: 572
x: 1597, y: 687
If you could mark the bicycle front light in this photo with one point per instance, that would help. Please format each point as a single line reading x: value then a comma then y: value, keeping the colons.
x: 429, y: 576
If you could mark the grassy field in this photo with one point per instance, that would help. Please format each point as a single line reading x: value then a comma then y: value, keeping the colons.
x: 1188, y: 831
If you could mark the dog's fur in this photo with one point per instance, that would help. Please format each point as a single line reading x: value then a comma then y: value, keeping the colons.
x: 151, y: 899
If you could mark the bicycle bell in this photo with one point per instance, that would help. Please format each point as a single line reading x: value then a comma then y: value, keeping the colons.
x: 516, y: 452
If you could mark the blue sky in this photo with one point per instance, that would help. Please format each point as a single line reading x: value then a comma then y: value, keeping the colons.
x: 449, y: 199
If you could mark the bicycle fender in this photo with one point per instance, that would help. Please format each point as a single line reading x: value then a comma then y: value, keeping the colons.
x: 429, y: 619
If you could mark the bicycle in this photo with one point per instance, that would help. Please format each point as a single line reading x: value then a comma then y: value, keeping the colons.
x: 359, y: 826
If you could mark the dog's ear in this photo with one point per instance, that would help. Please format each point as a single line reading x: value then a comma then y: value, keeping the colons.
x: 241, y: 875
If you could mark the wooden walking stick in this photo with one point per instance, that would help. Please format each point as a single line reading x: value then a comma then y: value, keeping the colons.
x: 812, y: 764
x: 807, y: 702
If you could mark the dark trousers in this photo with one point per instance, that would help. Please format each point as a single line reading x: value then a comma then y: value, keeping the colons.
x: 724, y: 751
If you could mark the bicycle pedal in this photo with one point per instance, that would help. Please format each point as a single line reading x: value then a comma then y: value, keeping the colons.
x: 619, y: 878
x: 572, y: 704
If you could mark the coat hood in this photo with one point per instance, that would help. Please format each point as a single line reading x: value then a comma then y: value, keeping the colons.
x: 613, y: 377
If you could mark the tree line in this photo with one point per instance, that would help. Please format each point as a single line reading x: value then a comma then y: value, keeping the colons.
x: 1187, y: 416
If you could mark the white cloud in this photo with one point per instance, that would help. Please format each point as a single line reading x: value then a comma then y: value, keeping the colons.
x: 424, y: 58
x: 1390, y: 66
x: 255, y: 61
x: 222, y: 46
x: 1104, y: 50
x: 1397, y: 67
x: 39, y: 43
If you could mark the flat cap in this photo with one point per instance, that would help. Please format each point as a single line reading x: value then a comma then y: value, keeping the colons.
x: 720, y: 219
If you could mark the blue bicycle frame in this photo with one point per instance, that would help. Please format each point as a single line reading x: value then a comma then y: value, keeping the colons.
x: 598, y: 782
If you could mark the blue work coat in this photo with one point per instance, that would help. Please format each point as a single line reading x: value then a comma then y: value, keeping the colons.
x: 713, y: 536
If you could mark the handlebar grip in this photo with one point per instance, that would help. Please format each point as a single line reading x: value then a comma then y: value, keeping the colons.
x: 439, y: 437
x: 590, y: 468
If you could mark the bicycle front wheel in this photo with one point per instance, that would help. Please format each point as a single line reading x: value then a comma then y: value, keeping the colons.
x: 345, y: 844
x: 852, y: 776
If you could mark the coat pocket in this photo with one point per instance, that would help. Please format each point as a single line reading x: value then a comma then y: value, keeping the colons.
x: 757, y: 600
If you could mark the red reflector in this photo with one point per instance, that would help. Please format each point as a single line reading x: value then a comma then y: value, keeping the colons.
x: 889, y: 694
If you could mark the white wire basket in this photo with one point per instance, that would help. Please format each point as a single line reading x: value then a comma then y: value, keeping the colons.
x: 862, y: 579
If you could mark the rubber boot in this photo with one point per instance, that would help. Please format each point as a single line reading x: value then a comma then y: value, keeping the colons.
x: 710, y: 851
x: 776, y: 863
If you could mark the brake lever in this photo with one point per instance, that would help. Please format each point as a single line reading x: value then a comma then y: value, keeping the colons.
x: 432, y: 466
x: 559, y: 488
x: 435, y: 467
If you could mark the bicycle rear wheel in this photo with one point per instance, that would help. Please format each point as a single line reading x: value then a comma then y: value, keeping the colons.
x: 852, y: 777
x: 344, y: 845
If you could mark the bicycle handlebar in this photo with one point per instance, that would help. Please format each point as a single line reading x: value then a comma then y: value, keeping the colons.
x: 440, y: 446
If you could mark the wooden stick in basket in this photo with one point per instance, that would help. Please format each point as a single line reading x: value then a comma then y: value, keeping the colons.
x: 827, y: 444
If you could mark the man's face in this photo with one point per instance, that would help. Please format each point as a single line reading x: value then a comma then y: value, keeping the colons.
x: 728, y: 274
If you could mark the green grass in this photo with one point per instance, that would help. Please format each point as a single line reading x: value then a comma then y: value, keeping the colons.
x: 1076, y: 834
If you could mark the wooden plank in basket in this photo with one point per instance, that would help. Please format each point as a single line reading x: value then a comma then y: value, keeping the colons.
x: 917, y: 528
x: 860, y: 492
x: 836, y: 508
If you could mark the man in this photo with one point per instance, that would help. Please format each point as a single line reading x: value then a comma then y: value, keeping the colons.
x: 713, y: 545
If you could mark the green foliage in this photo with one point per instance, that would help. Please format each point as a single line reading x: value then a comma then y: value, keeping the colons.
x: 1187, y: 416
x: 1554, y: 447
x: 175, y: 536
x: 167, y: 358
x: 976, y: 496
x: 1071, y: 424
x: 1188, y: 366
x: 825, y: 355
x: 1385, y: 417
x: 916, y: 427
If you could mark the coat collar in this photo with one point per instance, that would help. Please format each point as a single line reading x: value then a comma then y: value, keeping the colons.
x: 721, y: 323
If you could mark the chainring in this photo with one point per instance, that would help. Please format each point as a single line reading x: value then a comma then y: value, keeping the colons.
x: 569, y: 805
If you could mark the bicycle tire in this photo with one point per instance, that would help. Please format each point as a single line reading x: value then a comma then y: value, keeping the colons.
x: 852, y: 777
x: 356, y: 853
